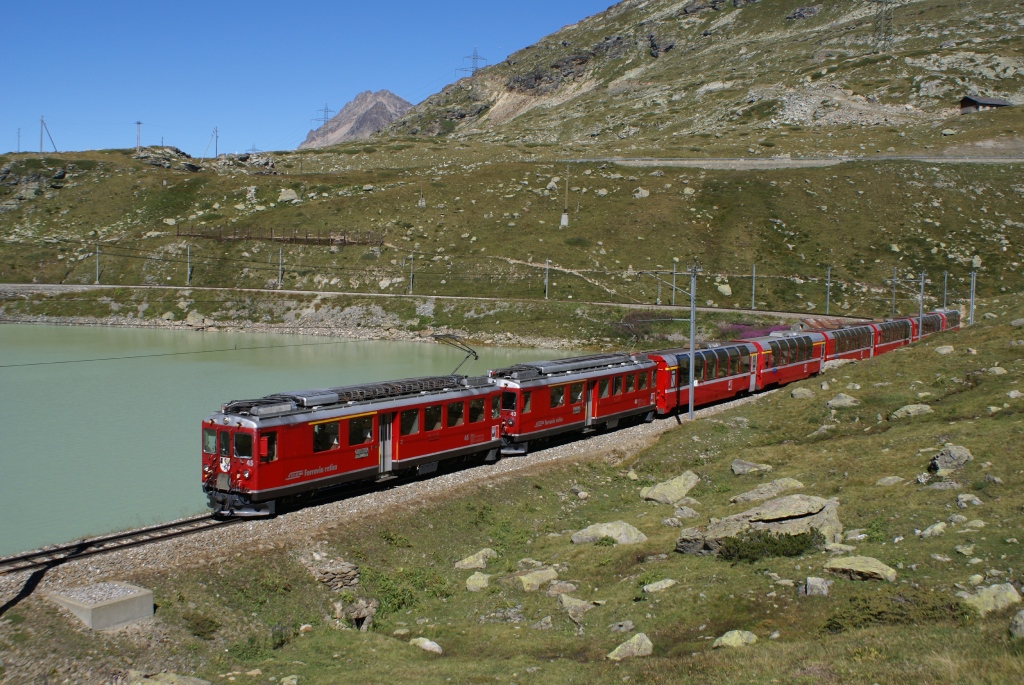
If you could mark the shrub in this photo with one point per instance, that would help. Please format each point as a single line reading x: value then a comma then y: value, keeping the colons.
x: 577, y: 241
x: 280, y: 635
x: 250, y: 650
x: 760, y: 544
x: 199, y: 625
x: 902, y: 607
x: 394, y: 539
x: 877, y: 530
x: 605, y: 541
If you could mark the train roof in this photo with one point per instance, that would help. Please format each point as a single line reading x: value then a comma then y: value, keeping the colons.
x: 304, y: 400
x: 591, y: 362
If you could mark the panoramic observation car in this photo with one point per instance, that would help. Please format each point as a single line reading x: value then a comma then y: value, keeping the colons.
x: 256, y: 452
x: 544, y: 399
x: 718, y: 373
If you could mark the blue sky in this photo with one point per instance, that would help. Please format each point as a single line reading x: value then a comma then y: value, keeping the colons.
x: 257, y: 70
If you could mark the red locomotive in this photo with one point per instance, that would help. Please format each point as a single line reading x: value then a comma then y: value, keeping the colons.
x: 258, y: 452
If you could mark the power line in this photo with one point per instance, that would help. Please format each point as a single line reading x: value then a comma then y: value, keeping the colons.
x: 476, y: 59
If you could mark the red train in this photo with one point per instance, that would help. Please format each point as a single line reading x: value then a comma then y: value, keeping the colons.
x: 259, y: 452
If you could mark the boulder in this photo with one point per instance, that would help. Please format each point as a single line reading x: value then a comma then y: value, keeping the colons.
x: 1017, y: 626
x: 993, y: 598
x: 802, y: 394
x: 861, y: 568
x: 426, y: 645
x: 543, y: 624
x: 287, y: 195
x: 622, y: 626
x: 910, y: 410
x: 638, y: 645
x: 997, y: 371
x: 768, y: 490
x: 888, y: 481
x: 290, y: 680
x: 478, y: 560
x: 620, y: 531
x: 817, y: 587
x: 965, y: 550
x: 945, y: 349
x: 965, y: 500
x: 685, y: 513
x: 560, y: 587
x: 735, y: 638
x: 575, y: 607
x: 790, y: 515
x: 671, y: 491
x: 641, y: 193
x: 532, y: 580
x: 659, y: 586
x: 934, y: 530
x: 477, y: 582
x: 842, y: 401
x: 1017, y: 323
x: 742, y: 468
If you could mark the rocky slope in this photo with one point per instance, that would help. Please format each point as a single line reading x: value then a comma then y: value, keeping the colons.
x: 657, y: 73
x: 368, y: 113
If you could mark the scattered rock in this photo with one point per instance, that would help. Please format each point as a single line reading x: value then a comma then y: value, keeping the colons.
x: 621, y: 627
x: 620, y: 531
x: 966, y: 550
x: 361, y: 613
x: 638, y: 645
x: 956, y: 519
x: 532, y: 580
x: 477, y: 582
x: 287, y: 195
x: 1015, y: 394
x: 945, y: 485
x: 933, y: 530
x: 659, y: 586
x: 790, y: 515
x: 997, y: 371
x: 965, y: 500
x: 842, y: 401
x: 478, y: 560
x: 817, y: 587
x: 1017, y: 323
x: 334, y: 573
x: 290, y: 680
x: 861, y: 568
x: 993, y: 598
x: 910, y: 410
x: 838, y: 548
x: 742, y: 468
x: 768, y: 490
x: 400, y: 632
x: 528, y: 564
x: 888, y: 481
x: 685, y: 513
x: 543, y: 624
x: 575, y: 607
x: 426, y: 645
x: 560, y: 587
x: 671, y: 491
x: 948, y: 132
x: 945, y: 349
x: 1017, y: 626
x: 735, y: 638
x: 641, y: 193
x: 672, y: 522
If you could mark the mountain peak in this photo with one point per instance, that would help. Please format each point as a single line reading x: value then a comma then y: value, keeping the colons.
x: 367, y: 113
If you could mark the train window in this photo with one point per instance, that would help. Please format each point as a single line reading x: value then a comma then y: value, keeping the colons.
x: 734, y: 362
x: 268, y: 447
x: 325, y: 436
x: 698, y: 367
x: 630, y: 382
x: 432, y: 418
x: 410, y: 422
x: 744, y: 363
x: 496, y: 405
x: 360, y: 430
x: 642, y: 381
x: 456, y: 414
x: 602, y: 388
x: 477, y: 411
x: 225, y: 444
x: 209, y: 441
x: 617, y: 385
x: 527, y: 402
x: 723, y: 363
x: 508, y: 401
x: 557, y: 396
x: 243, y: 445
x: 576, y: 393
x: 684, y: 372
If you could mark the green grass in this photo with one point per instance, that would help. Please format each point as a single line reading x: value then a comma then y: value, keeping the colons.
x: 862, y: 632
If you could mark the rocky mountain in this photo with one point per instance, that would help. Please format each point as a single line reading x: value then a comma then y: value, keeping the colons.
x: 368, y: 113
x: 665, y: 73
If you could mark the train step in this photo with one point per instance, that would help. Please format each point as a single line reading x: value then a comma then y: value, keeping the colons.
x: 386, y: 477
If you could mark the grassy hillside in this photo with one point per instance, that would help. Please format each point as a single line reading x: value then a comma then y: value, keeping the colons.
x: 217, y: 618
x: 687, y: 78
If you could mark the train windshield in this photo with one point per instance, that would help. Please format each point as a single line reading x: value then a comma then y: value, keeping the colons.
x: 243, y: 445
x: 508, y: 401
x: 209, y: 441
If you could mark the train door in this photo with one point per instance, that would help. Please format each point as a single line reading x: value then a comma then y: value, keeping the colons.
x: 387, y: 443
x: 590, y: 408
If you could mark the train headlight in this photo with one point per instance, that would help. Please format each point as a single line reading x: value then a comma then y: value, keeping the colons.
x: 245, y: 474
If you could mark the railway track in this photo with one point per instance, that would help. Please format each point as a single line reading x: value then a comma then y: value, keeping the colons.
x: 54, y: 556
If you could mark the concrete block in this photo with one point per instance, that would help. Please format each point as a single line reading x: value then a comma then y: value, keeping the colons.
x: 103, y: 606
